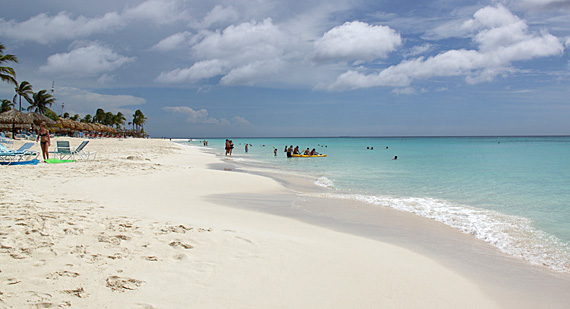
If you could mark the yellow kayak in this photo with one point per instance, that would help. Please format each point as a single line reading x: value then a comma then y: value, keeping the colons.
x: 307, y: 156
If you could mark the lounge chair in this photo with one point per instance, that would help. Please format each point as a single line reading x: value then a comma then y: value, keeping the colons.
x: 4, y: 139
x: 20, y: 156
x: 63, y: 151
x: 82, y: 154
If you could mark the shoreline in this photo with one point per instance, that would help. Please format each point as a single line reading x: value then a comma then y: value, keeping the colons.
x: 150, y: 224
x: 449, y: 246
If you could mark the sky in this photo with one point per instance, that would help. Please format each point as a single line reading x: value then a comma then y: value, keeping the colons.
x: 264, y: 68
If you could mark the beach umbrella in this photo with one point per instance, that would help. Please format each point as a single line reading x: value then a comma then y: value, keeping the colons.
x: 76, y: 125
x: 15, y: 117
x: 38, y: 118
x: 88, y: 126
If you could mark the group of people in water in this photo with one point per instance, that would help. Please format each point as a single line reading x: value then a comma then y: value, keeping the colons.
x: 290, y: 151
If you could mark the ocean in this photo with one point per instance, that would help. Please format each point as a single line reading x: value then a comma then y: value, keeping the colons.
x: 511, y: 192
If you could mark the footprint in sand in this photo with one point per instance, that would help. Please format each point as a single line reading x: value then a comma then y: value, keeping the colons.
x: 79, y: 292
x: 65, y: 273
x: 121, y: 284
x: 180, y: 244
x: 114, y: 240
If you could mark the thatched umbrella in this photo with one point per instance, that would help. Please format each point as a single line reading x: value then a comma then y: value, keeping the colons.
x: 88, y: 127
x: 15, y: 117
x: 39, y: 118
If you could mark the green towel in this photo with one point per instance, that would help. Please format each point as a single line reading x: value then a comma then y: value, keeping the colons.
x: 54, y: 161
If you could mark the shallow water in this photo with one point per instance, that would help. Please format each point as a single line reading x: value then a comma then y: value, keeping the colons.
x: 511, y: 192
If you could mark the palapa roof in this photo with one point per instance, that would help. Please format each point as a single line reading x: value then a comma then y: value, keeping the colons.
x: 14, y: 116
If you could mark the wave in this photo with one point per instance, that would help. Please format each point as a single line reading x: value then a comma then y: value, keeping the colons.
x: 511, y: 234
x: 324, y: 182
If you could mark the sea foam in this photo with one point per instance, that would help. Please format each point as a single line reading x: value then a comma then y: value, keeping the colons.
x: 324, y: 182
x: 511, y: 234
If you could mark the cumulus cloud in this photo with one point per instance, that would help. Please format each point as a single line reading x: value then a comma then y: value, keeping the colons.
x: 79, y: 101
x: 192, y: 116
x: 198, y: 71
x: 174, y: 41
x: 240, y: 54
x: 502, y: 37
x: 404, y: 91
x: 201, y: 116
x: 418, y: 50
x: 240, y: 120
x: 355, y: 41
x: 46, y: 29
x: 158, y: 11
x: 220, y: 15
x: 87, y: 60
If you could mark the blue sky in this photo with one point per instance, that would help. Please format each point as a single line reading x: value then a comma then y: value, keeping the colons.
x: 301, y: 68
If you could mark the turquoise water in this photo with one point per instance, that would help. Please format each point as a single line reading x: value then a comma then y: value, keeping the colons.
x: 512, y: 192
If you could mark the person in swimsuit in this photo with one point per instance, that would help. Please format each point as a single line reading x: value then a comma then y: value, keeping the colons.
x: 45, y: 141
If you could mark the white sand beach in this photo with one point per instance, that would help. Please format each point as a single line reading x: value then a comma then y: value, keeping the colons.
x: 139, y: 227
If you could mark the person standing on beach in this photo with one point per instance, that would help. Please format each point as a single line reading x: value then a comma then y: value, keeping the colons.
x: 45, y: 142
x: 227, y: 146
x: 275, y: 152
x: 246, y: 148
x: 231, y: 147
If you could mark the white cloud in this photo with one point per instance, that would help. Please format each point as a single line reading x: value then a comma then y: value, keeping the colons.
x: 192, y: 116
x: 88, y: 60
x: 246, y: 42
x: 198, y: 71
x: 158, y: 11
x: 418, y: 50
x: 174, y: 41
x: 78, y: 101
x: 220, y: 15
x: 252, y: 72
x: 404, y: 91
x: 355, y: 41
x: 502, y: 39
x: 241, y: 54
x: 242, y: 121
x: 201, y: 116
x: 45, y: 29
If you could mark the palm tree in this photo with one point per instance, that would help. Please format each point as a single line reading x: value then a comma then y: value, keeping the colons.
x: 119, y: 120
x: 6, y: 105
x: 99, y: 116
x: 109, y: 119
x: 7, y: 74
x: 139, y: 119
x: 87, y: 119
x: 23, y: 90
x: 41, y: 101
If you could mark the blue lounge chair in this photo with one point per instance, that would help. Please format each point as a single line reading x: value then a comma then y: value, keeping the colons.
x: 82, y: 154
x: 17, y: 157
x: 63, y: 151
x: 4, y: 139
